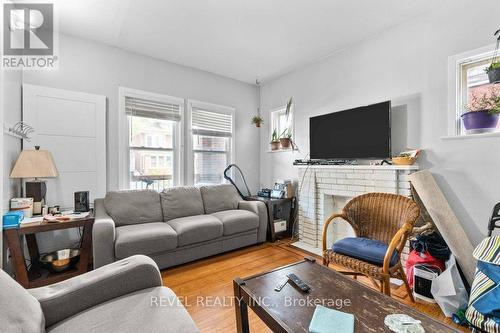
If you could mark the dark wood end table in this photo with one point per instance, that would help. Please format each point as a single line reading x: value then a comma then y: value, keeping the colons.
x: 35, y: 276
x: 277, y: 208
x: 291, y: 310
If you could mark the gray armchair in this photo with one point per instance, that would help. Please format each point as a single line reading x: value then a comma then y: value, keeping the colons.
x: 125, y: 296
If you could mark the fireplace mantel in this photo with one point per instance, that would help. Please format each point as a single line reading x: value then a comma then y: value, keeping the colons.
x: 385, y: 167
x: 320, y: 184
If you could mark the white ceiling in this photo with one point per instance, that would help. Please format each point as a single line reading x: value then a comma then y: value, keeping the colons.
x: 240, y: 39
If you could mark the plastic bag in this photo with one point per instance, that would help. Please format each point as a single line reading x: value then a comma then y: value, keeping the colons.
x: 448, y: 289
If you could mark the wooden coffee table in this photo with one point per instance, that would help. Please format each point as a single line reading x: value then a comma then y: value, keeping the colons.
x: 290, y: 310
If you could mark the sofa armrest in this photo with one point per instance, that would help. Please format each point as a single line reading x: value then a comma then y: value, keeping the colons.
x: 67, y: 298
x: 260, y: 209
x: 103, y: 236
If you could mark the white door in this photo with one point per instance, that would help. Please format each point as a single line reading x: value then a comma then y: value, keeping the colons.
x: 72, y: 126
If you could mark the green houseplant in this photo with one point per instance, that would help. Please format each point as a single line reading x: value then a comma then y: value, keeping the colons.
x: 483, y: 111
x: 257, y: 120
x: 286, y: 136
x: 494, y: 69
x: 275, y: 141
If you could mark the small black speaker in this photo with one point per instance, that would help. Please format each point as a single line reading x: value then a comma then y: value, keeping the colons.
x: 82, y: 203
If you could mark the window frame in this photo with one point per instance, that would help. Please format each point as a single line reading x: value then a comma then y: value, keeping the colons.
x: 273, y: 111
x: 123, y: 132
x: 455, y: 86
x: 193, y: 104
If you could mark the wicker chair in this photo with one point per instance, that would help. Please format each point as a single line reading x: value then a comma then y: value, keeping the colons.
x: 379, y: 216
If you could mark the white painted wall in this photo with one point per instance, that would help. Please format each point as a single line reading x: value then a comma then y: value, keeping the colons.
x: 91, y: 67
x: 99, y: 69
x: 11, y: 108
x: 408, y: 65
x: 10, y: 105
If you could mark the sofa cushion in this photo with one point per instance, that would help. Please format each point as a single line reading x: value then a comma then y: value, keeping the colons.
x: 146, y: 238
x: 133, y: 206
x: 237, y: 220
x: 149, y: 310
x: 197, y: 228
x: 219, y: 197
x: 20, y: 311
x: 369, y: 250
x: 181, y: 201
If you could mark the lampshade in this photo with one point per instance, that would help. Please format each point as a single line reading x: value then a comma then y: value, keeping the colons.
x: 34, y: 164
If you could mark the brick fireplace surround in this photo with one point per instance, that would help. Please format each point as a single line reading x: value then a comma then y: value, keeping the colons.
x: 325, y: 189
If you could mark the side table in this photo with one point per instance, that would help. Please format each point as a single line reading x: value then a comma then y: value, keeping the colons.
x: 35, y: 276
x: 277, y: 209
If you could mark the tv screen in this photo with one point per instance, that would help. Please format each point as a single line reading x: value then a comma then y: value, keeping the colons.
x: 363, y: 132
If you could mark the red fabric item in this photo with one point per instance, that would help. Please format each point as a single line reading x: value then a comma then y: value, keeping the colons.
x: 415, y: 258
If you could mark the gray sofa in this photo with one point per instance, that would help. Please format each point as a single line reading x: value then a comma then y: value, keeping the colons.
x: 179, y: 225
x: 125, y: 296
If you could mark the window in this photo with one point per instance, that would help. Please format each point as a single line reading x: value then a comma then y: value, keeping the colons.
x: 468, y: 80
x: 280, y: 122
x: 153, y: 162
x: 212, y: 137
x: 474, y: 82
x: 154, y: 123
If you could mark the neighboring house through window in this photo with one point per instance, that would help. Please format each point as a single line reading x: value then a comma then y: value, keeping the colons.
x: 153, y: 124
x: 151, y: 151
x: 212, y: 141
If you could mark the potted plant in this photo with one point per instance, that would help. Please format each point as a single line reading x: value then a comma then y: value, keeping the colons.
x: 494, y: 69
x: 257, y: 120
x: 286, y: 139
x: 275, y: 141
x: 483, y: 112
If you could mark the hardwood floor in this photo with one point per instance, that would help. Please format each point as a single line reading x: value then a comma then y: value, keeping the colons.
x: 205, y: 286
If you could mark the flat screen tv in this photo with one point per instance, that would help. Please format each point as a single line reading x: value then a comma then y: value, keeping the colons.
x: 363, y: 132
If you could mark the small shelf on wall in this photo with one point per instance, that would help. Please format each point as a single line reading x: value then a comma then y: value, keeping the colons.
x: 471, y: 136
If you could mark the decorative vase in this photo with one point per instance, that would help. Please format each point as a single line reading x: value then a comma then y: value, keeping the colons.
x: 494, y: 75
x: 275, y: 145
x: 285, y: 143
x: 480, y: 121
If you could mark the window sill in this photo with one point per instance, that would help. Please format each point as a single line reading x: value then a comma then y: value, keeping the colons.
x: 471, y: 136
x: 281, y: 150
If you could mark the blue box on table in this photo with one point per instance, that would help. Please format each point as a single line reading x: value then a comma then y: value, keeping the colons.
x: 12, y: 219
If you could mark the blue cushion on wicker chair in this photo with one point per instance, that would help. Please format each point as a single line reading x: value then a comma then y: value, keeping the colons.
x: 369, y: 250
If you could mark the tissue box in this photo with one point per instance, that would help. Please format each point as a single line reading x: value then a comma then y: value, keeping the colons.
x: 12, y: 219
x: 24, y: 204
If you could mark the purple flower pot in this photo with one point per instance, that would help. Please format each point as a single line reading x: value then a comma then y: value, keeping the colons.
x: 479, y: 120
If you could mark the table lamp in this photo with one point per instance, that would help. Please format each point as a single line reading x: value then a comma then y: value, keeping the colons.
x: 35, y: 164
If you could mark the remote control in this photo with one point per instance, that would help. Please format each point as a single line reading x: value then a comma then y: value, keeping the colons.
x: 280, y: 285
x: 299, y: 283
